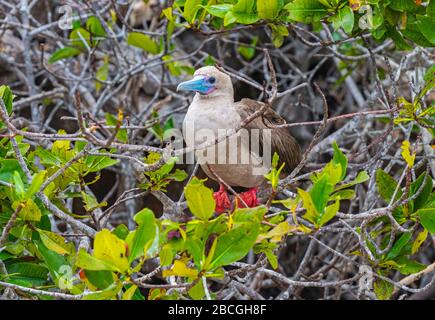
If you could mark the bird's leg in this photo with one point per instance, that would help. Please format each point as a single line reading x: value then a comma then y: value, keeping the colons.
x: 223, y: 202
x: 249, y: 197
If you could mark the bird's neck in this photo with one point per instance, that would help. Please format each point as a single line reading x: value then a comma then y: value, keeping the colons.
x: 214, y: 99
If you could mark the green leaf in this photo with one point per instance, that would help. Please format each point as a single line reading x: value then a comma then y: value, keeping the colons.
x: 269, y: 9
x: 197, y: 291
x: 343, y: 195
x: 80, y: 38
x: 37, y: 181
x: 27, y: 274
x: 423, y: 197
x: 235, y: 244
x: 360, y: 178
x: 19, y: 185
x: 100, y: 279
x: 407, y: 266
x: 383, y: 289
x: 54, y: 261
x: 279, y: 32
x: 427, y: 27
x: 86, y: 261
x: 404, y: 5
x: 7, y: 97
x: 111, y: 120
x: 101, y: 75
x: 246, y: 6
x: 430, y: 9
x: 400, y: 43
x: 427, y: 218
x: 272, y: 258
x: 412, y: 32
x: 248, y: 52
x: 167, y: 255
x: 140, y: 239
x: 339, y: 158
x: 63, y: 53
x: 330, y: 213
x: 190, y: 9
x: 229, y: 18
x: 121, y: 231
x: 219, y: 10
x: 128, y: 294
x: 94, y: 26
x: 307, y: 11
x: 386, y: 185
x: 243, y: 12
x: 199, y: 199
x: 29, y: 211
x: 320, y: 193
x: 245, y: 18
x: 311, y: 214
x: 343, y: 18
x: 107, y: 293
x: 143, y: 42
x: 398, y: 246
x: 98, y: 163
x: 54, y: 242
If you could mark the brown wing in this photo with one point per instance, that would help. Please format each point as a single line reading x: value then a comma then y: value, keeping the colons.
x: 283, y: 142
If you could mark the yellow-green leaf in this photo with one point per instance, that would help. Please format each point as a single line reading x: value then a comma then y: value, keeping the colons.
x: 421, y: 237
x: 406, y: 154
x: 181, y: 270
x: 143, y: 41
x: 110, y: 248
x: 53, y: 241
x: 200, y: 199
x: 128, y: 294
x: 86, y: 261
x: 29, y: 211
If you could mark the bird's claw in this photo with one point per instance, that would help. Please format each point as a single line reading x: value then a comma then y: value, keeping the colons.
x: 249, y: 197
x: 222, y: 200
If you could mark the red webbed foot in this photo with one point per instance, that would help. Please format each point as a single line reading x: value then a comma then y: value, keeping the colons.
x: 223, y: 202
x: 249, y: 197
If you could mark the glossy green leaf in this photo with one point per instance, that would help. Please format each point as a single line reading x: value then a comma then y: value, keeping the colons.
x: 219, y: 10
x: 320, y: 193
x: 86, y: 261
x: 427, y: 27
x: 386, y: 185
x: 37, y: 181
x: 269, y: 9
x: 199, y: 199
x: 343, y: 18
x: 427, y: 218
x: 383, y: 289
x: 63, y: 53
x: 143, y: 42
x: 307, y: 11
x: 398, y: 246
x: 141, y: 238
x: 235, y: 244
x: 95, y: 27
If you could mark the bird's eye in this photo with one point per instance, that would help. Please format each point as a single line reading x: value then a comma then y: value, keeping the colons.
x: 212, y: 80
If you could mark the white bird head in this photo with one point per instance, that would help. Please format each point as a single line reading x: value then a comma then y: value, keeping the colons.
x: 208, y: 82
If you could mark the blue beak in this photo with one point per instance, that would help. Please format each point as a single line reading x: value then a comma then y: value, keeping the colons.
x: 197, y: 84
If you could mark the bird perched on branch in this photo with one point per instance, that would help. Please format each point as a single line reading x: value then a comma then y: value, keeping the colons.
x: 228, y: 153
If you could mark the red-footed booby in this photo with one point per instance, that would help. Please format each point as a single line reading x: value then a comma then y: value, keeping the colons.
x: 214, y: 112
